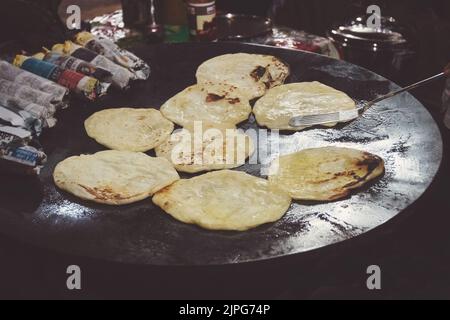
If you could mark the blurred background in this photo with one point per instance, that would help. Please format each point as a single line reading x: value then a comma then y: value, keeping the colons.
x: 424, y: 26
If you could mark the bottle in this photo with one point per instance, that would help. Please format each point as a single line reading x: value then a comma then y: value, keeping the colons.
x: 155, y: 27
x: 135, y: 13
x: 201, y: 16
x: 175, y: 21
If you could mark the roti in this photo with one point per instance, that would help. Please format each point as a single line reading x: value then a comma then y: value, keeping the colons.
x: 253, y: 74
x: 325, y: 174
x: 224, y: 200
x: 282, y: 103
x: 210, y: 104
x: 114, y: 177
x: 216, y: 149
x: 128, y: 129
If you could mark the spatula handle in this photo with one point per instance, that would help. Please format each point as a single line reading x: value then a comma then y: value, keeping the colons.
x: 408, y: 88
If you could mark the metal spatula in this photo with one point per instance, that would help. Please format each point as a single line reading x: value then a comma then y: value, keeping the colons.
x: 348, y: 115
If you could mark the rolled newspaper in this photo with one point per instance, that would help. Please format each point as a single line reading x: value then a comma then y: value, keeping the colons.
x: 41, y: 112
x: 17, y: 75
x: 12, y: 136
x: 16, y: 153
x: 121, y: 76
x: 74, y: 64
x: 28, y: 94
x: 114, y: 53
x: 20, y: 118
x: 83, y: 85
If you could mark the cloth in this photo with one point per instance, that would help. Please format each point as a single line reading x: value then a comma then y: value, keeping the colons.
x: 289, y: 38
x: 446, y: 103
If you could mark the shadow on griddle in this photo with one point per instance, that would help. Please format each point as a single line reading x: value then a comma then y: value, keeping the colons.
x: 99, y: 207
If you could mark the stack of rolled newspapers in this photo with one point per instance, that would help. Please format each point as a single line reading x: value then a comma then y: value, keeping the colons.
x: 34, y: 87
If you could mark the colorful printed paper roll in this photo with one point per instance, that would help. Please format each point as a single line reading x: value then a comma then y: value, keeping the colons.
x: 18, y: 152
x: 23, y: 160
x: 12, y: 136
x: 44, y: 113
x: 121, y: 76
x: 83, y: 85
x: 114, y: 53
x: 77, y: 65
x: 20, y: 118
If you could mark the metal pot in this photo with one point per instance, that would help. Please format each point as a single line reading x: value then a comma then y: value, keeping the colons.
x: 385, y: 50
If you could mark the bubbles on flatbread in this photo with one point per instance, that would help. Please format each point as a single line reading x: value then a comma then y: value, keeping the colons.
x: 207, y: 148
x: 224, y: 200
x: 127, y: 129
x: 211, y: 104
x: 282, y: 103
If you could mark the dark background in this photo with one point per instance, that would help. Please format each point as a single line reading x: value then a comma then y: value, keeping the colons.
x: 413, y: 251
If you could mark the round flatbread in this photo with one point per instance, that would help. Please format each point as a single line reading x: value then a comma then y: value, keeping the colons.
x: 114, y: 177
x: 282, y: 103
x: 253, y: 74
x: 325, y: 174
x: 206, y: 149
x: 128, y: 129
x: 224, y: 200
x: 212, y: 104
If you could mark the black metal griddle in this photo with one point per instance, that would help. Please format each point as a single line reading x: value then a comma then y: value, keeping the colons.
x: 400, y: 130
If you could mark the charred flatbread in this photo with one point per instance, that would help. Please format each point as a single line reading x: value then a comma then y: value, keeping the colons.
x: 325, y: 174
x: 253, y: 74
x: 210, y: 104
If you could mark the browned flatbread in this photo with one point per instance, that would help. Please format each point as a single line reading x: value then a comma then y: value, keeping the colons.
x: 325, y: 174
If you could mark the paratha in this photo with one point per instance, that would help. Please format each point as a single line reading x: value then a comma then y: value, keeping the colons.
x: 224, y: 200
x: 210, y: 104
x: 324, y: 174
x: 114, y: 177
x: 128, y: 129
x: 253, y: 74
x: 282, y: 103
x: 216, y: 149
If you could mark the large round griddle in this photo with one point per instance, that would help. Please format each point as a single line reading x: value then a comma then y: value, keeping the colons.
x: 400, y: 130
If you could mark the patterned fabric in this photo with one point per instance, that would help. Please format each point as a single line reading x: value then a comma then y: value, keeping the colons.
x: 446, y: 104
x: 293, y: 39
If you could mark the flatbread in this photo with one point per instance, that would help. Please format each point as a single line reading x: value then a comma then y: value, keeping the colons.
x: 253, y: 74
x: 210, y: 104
x: 224, y: 200
x: 216, y: 149
x: 282, y: 103
x: 114, y: 177
x: 325, y: 174
x: 128, y: 129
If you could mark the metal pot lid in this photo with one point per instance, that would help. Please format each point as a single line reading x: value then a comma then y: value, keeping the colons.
x: 357, y: 33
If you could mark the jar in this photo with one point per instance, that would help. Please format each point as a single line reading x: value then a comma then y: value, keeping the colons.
x: 201, y: 16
